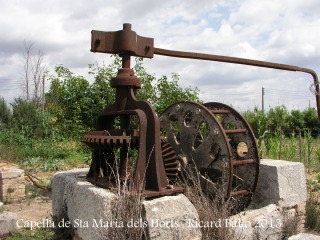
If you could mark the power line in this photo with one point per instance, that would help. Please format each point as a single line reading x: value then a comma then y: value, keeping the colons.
x: 283, y: 90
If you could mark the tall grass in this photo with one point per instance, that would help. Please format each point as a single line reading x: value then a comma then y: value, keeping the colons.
x: 293, y: 148
x: 304, y: 149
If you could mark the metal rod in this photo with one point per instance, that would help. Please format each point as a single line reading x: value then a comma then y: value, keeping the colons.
x: 243, y: 61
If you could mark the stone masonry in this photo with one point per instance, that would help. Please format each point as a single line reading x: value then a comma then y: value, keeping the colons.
x: 12, y: 183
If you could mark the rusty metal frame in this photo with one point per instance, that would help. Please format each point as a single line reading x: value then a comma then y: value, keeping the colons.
x: 149, y: 176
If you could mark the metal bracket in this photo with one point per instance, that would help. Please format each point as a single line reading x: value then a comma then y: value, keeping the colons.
x: 122, y: 41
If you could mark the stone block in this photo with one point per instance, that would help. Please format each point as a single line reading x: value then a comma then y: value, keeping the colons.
x: 89, y: 210
x: 270, y: 222
x: 257, y: 224
x: 278, y: 202
x: 280, y: 182
x: 12, y: 183
x: 279, y: 198
x: 59, y: 190
x: 169, y: 218
x: 79, y: 205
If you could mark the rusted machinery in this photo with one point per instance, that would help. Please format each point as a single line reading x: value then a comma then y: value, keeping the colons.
x: 135, y: 150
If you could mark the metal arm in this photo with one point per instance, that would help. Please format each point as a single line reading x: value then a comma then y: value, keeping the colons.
x: 244, y: 61
x: 127, y: 41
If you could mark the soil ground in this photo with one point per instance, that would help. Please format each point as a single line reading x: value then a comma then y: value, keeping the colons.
x: 35, y: 209
x: 36, y: 206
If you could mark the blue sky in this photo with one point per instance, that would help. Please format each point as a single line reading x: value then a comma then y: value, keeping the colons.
x: 269, y: 30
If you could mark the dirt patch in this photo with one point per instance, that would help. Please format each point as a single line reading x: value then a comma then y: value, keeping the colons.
x: 37, y: 203
x: 33, y: 209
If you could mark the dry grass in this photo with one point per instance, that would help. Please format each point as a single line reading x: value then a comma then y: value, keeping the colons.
x: 291, y: 222
x: 127, y: 210
x: 313, y: 211
x: 210, y: 209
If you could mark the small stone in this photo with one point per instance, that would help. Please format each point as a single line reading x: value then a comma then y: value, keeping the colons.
x: 1, y: 204
x: 7, y: 222
x: 304, y: 236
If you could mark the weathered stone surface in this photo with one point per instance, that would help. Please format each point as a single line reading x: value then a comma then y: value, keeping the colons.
x: 84, y: 205
x: 264, y: 223
x: 12, y: 183
x: 59, y: 194
x: 304, y: 236
x: 278, y: 203
x: 280, y: 182
x: 78, y: 204
x: 169, y: 217
x: 280, y: 195
x: 7, y: 223
x: 10, y: 172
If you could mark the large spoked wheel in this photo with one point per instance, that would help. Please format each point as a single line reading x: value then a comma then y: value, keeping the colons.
x: 199, y: 142
x: 245, y: 156
x: 216, y: 140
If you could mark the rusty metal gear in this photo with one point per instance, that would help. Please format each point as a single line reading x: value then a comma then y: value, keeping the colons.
x: 107, y: 140
x: 218, y: 142
x: 170, y: 160
x: 197, y: 136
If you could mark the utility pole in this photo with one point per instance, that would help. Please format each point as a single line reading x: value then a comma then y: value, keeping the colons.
x: 262, y: 99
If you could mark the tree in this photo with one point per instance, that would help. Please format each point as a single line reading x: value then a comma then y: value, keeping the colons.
x: 4, y: 112
x: 311, y: 120
x: 278, y: 119
x: 162, y: 92
x: 296, y: 120
x: 34, y: 73
x: 68, y: 100
x: 101, y: 93
x: 76, y: 104
x: 26, y: 118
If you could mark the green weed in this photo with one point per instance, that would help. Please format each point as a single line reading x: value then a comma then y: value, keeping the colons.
x: 49, y: 154
x: 35, y: 234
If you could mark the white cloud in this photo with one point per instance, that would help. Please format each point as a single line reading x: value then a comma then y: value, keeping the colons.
x: 268, y: 30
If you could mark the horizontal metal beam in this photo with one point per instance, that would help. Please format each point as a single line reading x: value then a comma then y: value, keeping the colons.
x: 243, y: 61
